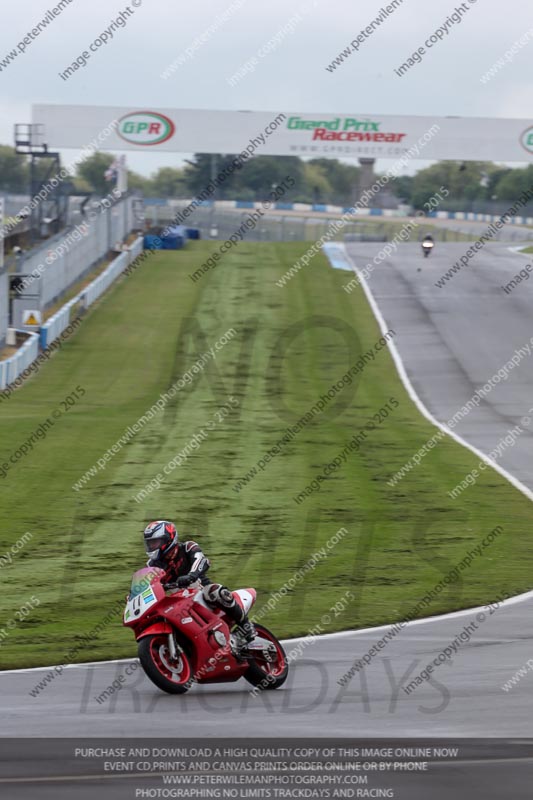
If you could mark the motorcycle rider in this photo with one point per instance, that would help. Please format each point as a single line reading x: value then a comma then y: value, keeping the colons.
x: 427, y: 246
x: 184, y: 563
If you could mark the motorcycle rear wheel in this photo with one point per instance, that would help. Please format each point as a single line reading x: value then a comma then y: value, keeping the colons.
x: 263, y: 674
x: 174, y: 677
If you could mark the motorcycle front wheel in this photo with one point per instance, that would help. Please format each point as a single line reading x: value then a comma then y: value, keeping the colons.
x: 174, y: 676
x: 263, y: 673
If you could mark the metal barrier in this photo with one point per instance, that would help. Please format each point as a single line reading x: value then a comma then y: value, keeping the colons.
x: 63, y: 259
x: 4, y: 304
x: 54, y: 327
x: 93, y: 291
x: 11, y: 368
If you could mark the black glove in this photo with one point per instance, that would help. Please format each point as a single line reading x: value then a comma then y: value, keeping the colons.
x: 180, y: 583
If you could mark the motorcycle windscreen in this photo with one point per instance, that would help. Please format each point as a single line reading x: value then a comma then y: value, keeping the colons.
x: 142, y: 579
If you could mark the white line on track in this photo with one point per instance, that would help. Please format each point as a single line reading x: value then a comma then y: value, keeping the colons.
x: 519, y: 598
x: 338, y: 250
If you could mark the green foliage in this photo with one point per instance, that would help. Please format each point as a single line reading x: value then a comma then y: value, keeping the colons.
x: 81, y: 185
x: 14, y: 173
x: 93, y: 169
x: 263, y: 173
x: 467, y: 182
x: 204, y: 168
x: 513, y: 182
x: 167, y: 182
x: 319, y: 180
x: 342, y: 179
x: 139, y: 183
x: 403, y: 188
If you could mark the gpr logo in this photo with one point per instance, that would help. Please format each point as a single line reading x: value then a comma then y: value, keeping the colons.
x: 526, y: 140
x: 145, y: 128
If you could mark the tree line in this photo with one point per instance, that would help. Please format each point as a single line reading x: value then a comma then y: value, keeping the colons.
x: 318, y: 180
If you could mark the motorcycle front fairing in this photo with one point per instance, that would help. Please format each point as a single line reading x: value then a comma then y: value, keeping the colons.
x: 208, y: 630
x: 146, y: 592
x: 150, y: 610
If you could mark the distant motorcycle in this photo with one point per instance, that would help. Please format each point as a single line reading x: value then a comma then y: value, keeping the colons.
x: 427, y: 247
x: 183, y: 641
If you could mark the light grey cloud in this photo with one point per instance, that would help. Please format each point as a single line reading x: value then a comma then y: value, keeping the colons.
x: 292, y: 77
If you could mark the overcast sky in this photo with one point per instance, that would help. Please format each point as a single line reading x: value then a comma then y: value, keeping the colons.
x: 311, y: 33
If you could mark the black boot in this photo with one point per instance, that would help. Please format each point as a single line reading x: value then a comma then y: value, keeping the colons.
x: 248, y: 630
x: 245, y: 628
x: 226, y: 601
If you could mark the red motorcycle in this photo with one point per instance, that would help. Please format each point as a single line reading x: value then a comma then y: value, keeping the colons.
x: 183, y: 641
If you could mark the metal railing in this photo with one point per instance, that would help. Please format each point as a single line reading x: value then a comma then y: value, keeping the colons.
x: 221, y: 223
x: 57, y: 264
x: 4, y: 304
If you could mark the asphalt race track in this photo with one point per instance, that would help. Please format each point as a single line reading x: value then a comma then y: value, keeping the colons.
x: 464, y: 698
x: 451, y: 340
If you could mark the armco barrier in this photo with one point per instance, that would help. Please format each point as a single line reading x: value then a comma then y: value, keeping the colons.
x: 55, y: 326
x: 12, y: 367
x: 136, y: 249
x: 93, y: 291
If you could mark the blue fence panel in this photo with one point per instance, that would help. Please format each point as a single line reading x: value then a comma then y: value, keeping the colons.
x: 152, y: 242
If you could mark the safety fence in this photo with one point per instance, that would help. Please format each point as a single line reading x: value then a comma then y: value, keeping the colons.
x: 100, y: 284
x: 12, y: 368
x: 294, y: 228
x: 54, y: 327
x: 63, y: 259
x: 163, y: 208
x: 4, y: 304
